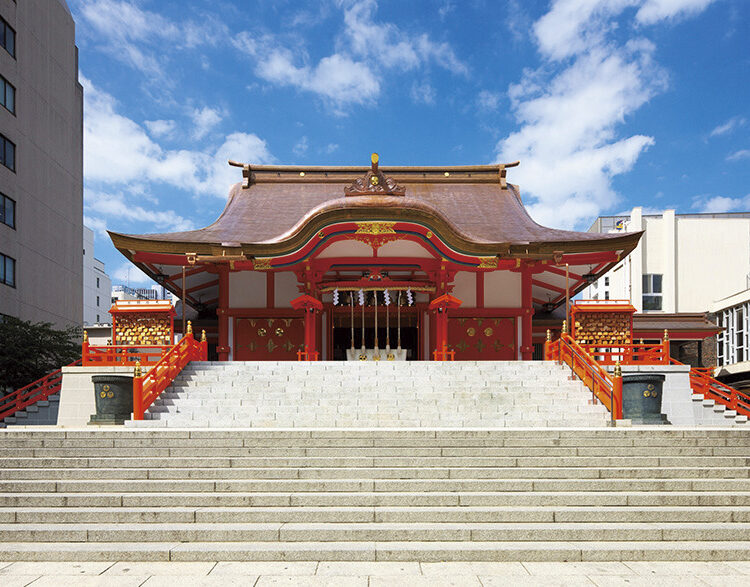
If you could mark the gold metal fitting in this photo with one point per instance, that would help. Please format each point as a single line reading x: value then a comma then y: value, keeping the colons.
x: 666, y: 334
x: 85, y: 336
x: 565, y: 327
x: 189, y: 327
x: 549, y: 335
x: 203, y: 336
x: 137, y: 370
x: 618, y: 369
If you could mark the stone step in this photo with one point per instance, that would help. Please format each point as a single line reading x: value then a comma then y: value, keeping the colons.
x: 425, y: 514
x: 381, y: 498
x: 375, y: 532
x: 468, y: 473
x: 371, y: 551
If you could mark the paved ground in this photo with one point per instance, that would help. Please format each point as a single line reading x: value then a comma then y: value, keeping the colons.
x: 385, y: 574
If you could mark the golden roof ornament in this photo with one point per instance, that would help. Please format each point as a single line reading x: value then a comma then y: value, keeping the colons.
x: 374, y: 183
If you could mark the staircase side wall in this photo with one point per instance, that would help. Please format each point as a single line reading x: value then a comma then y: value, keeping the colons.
x: 77, y: 402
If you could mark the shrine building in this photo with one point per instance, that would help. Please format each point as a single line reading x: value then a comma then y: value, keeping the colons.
x: 374, y: 263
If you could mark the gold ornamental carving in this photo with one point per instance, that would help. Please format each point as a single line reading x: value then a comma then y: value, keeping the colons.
x: 375, y: 228
x: 487, y: 263
x: 374, y: 183
x: 262, y: 264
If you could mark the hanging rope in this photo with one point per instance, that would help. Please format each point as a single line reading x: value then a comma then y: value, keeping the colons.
x: 351, y: 300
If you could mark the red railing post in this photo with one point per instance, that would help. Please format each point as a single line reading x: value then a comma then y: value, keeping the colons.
x: 665, y: 348
x: 85, y: 349
x: 137, y: 392
x: 548, y: 346
x: 204, y: 347
x: 616, y: 409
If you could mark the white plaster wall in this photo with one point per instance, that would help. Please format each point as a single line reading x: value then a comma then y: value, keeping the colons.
x: 347, y: 248
x: 404, y: 248
x: 247, y: 289
x: 285, y: 289
x: 713, y: 260
x: 502, y: 289
x: 653, y: 246
x: 465, y: 288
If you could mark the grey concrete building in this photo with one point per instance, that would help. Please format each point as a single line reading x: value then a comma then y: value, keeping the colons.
x: 41, y: 164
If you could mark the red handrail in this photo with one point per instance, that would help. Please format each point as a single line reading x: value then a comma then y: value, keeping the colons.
x: 32, y: 393
x: 120, y: 355
x: 148, y: 387
x: 711, y: 388
x: 605, y: 387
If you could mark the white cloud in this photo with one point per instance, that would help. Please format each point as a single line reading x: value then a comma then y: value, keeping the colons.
x: 569, y: 109
x: 300, y: 149
x: 130, y: 275
x: 204, y: 120
x: 487, y: 100
x: 739, y: 155
x: 98, y: 225
x: 160, y: 128
x: 422, y: 93
x: 655, y: 10
x: 115, y: 206
x: 331, y: 147
x: 730, y: 125
x: 141, y: 38
x: 567, y: 143
x: 720, y: 204
x: 120, y: 152
x: 572, y: 26
x: 348, y: 76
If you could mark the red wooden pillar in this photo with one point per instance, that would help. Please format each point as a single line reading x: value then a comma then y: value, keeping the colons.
x: 527, y: 346
x: 440, y: 306
x: 222, y: 313
x: 311, y: 307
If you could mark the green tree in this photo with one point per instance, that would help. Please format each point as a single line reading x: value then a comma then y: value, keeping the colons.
x: 30, y: 350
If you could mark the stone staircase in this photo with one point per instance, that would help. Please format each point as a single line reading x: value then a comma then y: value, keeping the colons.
x: 601, y: 494
x: 42, y: 413
x: 371, y: 394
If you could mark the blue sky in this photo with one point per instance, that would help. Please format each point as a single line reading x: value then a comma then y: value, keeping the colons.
x: 608, y: 104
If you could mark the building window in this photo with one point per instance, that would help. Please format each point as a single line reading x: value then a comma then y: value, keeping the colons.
x: 7, y: 95
x: 7, y: 211
x: 97, y: 301
x: 97, y: 318
x: 7, y: 37
x: 606, y: 282
x: 7, y: 270
x: 606, y: 295
x: 7, y: 153
x: 733, y: 343
x: 97, y: 282
x: 652, y: 291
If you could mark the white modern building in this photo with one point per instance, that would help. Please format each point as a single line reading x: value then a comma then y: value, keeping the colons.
x: 685, y: 265
x: 97, y: 286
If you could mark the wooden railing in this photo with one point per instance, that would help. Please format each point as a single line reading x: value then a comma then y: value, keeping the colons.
x: 604, y: 387
x: 122, y: 355
x: 630, y: 354
x: 701, y: 380
x: 146, y: 388
x: 32, y: 393
x: 443, y: 355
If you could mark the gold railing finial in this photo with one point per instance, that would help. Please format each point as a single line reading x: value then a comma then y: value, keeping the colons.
x: 666, y: 334
x: 189, y: 327
x: 618, y: 369
x: 85, y: 336
x: 565, y: 327
x: 549, y: 335
x: 137, y: 370
x: 203, y: 336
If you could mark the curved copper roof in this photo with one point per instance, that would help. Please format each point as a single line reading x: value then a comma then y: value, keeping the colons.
x: 472, y: 208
